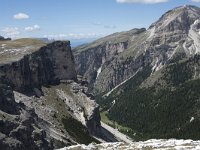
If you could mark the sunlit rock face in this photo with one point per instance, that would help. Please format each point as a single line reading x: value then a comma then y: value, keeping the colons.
x: 40, y: 94
x: 111, y: 60
x: 171, y: 144
x: 32, y: 67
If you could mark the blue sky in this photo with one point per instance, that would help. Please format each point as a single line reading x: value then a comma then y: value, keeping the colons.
x: 79, y: 19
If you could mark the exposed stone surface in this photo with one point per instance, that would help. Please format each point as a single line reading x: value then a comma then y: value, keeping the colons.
x: 150, y: 145
x: 19, y: 129
x: 43, y: 79
x: 93, y: 58
x: 174, y: 37
x: 4, y: 39
x: 82, y: 107
x: 161, y: 99
x: 48, y: 65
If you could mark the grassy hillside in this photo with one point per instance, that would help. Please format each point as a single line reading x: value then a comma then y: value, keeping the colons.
x: 13, y: 50
x: 113, y: 38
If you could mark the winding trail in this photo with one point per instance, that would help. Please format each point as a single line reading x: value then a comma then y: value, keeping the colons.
x: 107, y: 94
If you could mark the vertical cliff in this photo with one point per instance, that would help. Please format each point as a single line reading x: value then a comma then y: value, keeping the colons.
x: 48, y: 65
x: 102, y: 56
x: 46, y: 95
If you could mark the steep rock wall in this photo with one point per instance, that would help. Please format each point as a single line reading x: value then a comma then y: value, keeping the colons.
x: 48, y: 65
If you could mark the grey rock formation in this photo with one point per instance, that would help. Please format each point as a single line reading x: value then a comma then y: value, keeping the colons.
x: 174, y: 37
x: 92, y: 59
x: 150, y: 144
x: 43, y: 79
x: 4, y: 39
x: 8, y: 105
x: 48, y: 65
x: 19, y: 129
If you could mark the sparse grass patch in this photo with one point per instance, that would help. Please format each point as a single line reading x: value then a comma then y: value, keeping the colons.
x: 52, y: 99
x: 73, y: 127
x: 14, y: 50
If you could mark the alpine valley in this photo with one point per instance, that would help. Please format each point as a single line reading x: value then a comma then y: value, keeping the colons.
x: 125, y: 88
x: 147, y: 81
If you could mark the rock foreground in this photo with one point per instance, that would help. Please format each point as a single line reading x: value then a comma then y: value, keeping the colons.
x: 170, y: 144
x: 42, y: 104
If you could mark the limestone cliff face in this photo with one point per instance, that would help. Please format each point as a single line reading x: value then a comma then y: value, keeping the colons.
x: 93, y: 122
x: 81, y: 106
x: 19, y: 128
x: 48, y: 65
x: 90, y: 62
x: 174, y: 37
x: 42, y: 77
x: 92, y: 59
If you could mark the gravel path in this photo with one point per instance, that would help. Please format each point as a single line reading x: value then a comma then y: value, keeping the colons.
x: 117, y: 135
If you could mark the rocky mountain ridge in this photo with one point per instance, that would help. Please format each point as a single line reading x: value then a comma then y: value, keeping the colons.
x: 42, y: 101
x: 173, y: 37
x: 48, y: 65
x: 93, y: 58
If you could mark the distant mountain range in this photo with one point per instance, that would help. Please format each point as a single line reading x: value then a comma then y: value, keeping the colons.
x: 74, y: 43
x: 79, y: 42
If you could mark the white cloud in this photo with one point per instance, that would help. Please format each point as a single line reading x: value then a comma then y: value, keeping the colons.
x: 142, y: 1
x: 195, y: 0
x: 74, y: 36
x: 32, y: 28
x: 11, y: 31
x: 21, y: 16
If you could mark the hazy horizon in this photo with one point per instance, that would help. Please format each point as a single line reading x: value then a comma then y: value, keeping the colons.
x: 77, y: 20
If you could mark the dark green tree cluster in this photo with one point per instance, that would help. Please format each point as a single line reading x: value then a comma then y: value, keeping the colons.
x: 170, y: 111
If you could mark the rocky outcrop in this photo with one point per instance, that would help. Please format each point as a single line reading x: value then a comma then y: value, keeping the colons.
x: 150, y: 144
x: 48, y: 65
x: 43, y: 79
x: 81, y: 106
x: 4, y: 39
x: 93, y: 122
x: 19, y: 129
x: 8, y: 105
x: 93, y: 59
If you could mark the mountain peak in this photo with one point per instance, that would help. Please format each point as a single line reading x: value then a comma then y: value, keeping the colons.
x: 187, y: 6
x: 179, y: 18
